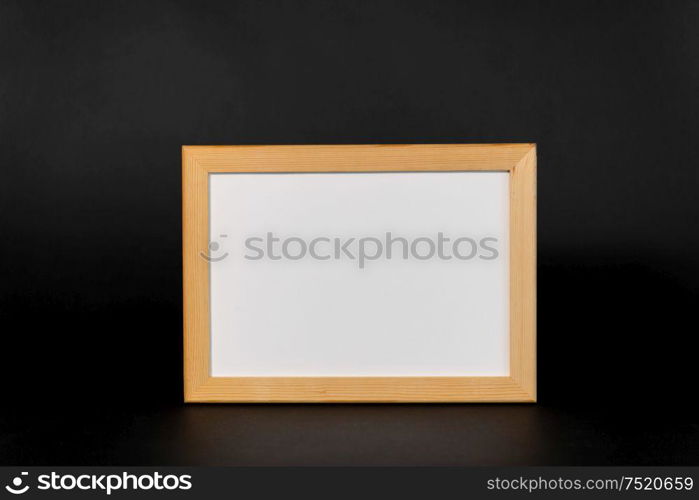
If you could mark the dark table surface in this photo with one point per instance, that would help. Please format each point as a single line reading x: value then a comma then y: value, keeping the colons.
x: 299, y: 435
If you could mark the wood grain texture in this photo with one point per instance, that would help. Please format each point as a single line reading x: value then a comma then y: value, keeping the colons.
x: 517, y: 159
x: 195, y: 238
x: 359, y: 389
x: 523, y: 273
x: 363, y: 158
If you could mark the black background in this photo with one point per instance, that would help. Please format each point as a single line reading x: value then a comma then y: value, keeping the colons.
x: 96, y: 99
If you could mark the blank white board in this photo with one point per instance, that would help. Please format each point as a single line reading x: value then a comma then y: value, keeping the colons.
x: 440, y: 310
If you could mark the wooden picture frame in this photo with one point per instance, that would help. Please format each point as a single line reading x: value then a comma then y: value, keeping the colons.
x: 519, y: 160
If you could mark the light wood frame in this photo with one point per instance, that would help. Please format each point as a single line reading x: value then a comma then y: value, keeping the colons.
x: 517, y: 159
